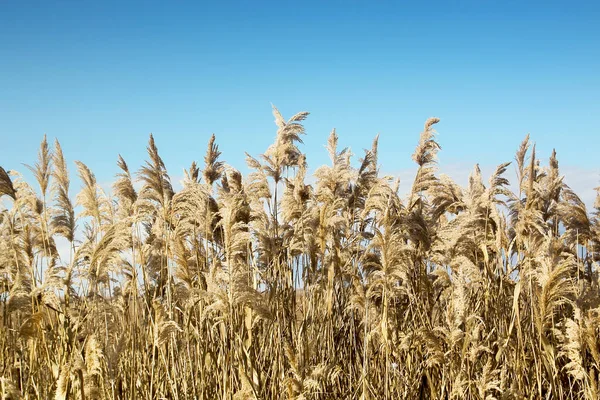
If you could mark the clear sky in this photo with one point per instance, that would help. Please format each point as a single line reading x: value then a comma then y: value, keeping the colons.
x: 100, y: 76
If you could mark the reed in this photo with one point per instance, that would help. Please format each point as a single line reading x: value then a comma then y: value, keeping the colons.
x: 267, y: 286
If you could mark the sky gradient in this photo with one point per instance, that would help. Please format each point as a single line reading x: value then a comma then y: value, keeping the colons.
x: 100, y: 76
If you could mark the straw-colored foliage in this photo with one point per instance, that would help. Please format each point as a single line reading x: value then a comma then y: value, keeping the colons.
x: 267, y: 287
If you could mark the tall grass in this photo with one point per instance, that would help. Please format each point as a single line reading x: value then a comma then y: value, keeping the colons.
x: 267, y: 287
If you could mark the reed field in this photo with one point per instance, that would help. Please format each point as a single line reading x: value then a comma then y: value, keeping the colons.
x: 286, y: 285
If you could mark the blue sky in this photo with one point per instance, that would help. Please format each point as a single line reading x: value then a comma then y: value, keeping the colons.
x: 100, y: 76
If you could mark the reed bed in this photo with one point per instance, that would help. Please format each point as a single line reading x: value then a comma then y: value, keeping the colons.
x: 267, y: 287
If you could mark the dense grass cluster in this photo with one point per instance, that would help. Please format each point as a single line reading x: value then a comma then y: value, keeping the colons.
x: 267, y: 287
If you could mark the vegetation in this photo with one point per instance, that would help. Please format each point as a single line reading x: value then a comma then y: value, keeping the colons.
x: 267, y: 287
